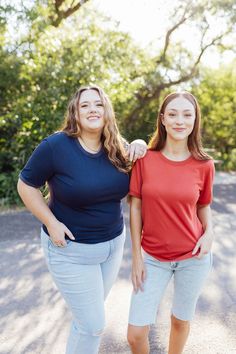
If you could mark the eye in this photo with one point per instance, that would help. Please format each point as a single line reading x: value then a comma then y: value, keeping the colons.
x: 172, y: 114
x: 84, y: 105
x: 99, y: 104
x: 188, y: 115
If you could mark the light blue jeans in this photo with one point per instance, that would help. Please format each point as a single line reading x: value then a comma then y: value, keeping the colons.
x: 84, y: 274
x: 189, y: 278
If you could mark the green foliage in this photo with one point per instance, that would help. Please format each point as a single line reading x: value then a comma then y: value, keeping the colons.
x: 8, y: 192
x: 36, y: 85
x: 41, y: 68
x: 217, y: 98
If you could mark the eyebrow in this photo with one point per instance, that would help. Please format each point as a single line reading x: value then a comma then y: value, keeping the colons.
x: 176, y: 110
x: 97, y: 101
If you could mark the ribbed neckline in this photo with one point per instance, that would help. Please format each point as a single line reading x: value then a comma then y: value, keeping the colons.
x: 173, y: 162
x: 85, y: 152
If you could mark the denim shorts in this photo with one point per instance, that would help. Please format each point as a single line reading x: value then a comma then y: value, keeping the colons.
x: 189, y: 278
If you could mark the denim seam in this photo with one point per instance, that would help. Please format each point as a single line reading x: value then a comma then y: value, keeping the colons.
x: 49, y: 252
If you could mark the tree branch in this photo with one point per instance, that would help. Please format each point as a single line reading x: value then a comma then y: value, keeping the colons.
x: 155, y: 94
x: 182, y: 20
x: 58, y: 4
x: 63, y: 14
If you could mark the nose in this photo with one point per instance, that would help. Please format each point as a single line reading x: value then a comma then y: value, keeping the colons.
x: 179, y: 119
x: 93, y: 108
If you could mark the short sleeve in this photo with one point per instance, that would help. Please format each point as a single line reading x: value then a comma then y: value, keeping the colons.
x: 206, y: 193
x: 136, y: 180
x: 39, y: 167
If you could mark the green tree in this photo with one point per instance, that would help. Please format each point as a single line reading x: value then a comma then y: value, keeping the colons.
x: 62, y: 44
x: 41, y: 80
x: 217, y: 98
x: 175, y: 65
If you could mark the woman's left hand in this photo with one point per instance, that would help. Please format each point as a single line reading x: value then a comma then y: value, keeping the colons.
x: 137, y: 149
x: 203, y: 244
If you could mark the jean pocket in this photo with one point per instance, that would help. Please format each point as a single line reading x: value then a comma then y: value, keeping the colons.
x: 68, y: 242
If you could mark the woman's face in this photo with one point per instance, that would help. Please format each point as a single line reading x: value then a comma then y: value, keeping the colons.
x: 91, y: 111
x: 179, y: 118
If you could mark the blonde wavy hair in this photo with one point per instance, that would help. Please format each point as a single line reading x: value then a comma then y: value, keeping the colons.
x: 113, y: 143
x: 158, y: 139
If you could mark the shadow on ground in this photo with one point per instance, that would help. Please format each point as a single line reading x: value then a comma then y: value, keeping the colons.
x: 34, y: 317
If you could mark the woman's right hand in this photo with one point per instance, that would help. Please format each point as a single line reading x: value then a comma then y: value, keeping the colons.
x: 57, y: 231
x: 138, y: 273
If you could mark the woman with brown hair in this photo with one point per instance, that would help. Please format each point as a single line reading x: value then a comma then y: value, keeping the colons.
x: 86, y: 167
x: 171, y: 227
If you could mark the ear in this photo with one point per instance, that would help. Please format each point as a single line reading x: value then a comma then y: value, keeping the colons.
x: 162, y: 118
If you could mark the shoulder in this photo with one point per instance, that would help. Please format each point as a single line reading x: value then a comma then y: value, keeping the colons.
x: 205, y: 164
x: 205, y: 167
x: 58, y: 138
x: 150, y: 157
x: 145, y: 162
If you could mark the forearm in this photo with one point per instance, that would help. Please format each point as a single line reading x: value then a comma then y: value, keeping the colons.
x: 34, y: 202
x: 204, y: 215
x: 204, y: 243
x: 136, y: 226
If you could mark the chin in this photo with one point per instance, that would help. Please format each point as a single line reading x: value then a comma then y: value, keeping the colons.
x: 179, y: 138
x: 94, y: 128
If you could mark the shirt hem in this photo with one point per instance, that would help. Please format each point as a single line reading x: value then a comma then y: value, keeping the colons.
x: 29, y: 183
x: 133, y: 194
x: 188, y: 255
x: 82, y: 239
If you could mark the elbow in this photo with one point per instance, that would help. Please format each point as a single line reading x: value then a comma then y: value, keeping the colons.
x: 136, y: 210
x: 135, y: 207
x: 20, y: 187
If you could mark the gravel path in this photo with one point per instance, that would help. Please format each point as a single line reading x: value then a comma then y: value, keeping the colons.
x: 34, y: 319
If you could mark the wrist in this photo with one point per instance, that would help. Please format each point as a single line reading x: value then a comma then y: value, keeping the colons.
x: 208, y: 233
x: 51, y: 223
x: 137, y: 254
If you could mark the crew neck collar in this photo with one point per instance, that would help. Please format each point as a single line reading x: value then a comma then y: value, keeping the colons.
x: 87, y: 153
x: 174, y: 162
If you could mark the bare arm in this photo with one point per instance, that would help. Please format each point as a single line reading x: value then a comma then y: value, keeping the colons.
x: 205, y: 241
x: 34, y: 201
x: 138, y: 268
x: 204, y: 215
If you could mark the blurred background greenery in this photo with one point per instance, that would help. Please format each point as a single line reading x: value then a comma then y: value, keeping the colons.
x: 49, y: 48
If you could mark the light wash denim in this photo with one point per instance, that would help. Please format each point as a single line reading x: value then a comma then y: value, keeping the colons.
x: 84, y: 274
x: 189, y: 277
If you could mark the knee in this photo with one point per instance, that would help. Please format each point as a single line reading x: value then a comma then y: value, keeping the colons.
x: 95, y: 332
x: 136, y: 335
x: 90, y: 329
x: 179, y: 325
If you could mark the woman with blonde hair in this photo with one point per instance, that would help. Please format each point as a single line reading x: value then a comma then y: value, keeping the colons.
x: 171, y: 227
x: 86, y: 166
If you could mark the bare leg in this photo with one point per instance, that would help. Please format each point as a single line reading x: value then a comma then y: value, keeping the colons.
x: 138, y: 339
x: 178, y: 335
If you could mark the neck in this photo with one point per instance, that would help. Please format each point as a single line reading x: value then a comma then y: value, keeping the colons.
x: 177, y: 150
x: 91, y: 142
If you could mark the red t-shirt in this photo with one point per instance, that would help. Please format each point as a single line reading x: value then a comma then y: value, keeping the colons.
x: 170, y: 191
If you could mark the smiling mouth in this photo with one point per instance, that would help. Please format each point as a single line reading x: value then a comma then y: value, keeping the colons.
x: 93, y: 117
x: 179, y: 129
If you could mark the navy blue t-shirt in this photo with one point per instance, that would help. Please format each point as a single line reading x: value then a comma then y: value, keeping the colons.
x: 85, y: 189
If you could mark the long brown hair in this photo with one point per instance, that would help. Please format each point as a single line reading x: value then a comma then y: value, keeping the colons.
x: 158, y: 139
x: 112, y: 140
